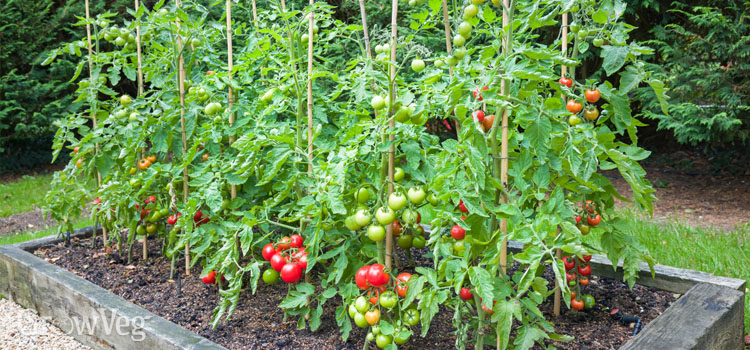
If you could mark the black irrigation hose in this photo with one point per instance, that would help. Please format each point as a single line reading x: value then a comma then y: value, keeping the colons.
x: 179, y: 284
x: 626, y: 320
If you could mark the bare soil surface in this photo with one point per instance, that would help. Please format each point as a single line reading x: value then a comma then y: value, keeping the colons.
x: 258, y: 322
x: 28, y: 221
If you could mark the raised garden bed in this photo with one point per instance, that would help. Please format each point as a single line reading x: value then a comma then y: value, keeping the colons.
x: 258, y: 324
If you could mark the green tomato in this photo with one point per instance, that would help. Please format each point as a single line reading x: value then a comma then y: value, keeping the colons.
x: 362, y: 195
x: 352, y: 310
x: 588, y: 301
x: 383, y: 340
x: 470, y: 11
x: 464, y: 29
x: 212, y: 108
x: 405, y: 241
x: 360, y: 320
x: 410, y: 317
x: 417, y: 65
x: 398, y: 174
x: 439, y: 63
x: 362, y: 217
x: 268, y: 96
x: 452, y: 61
x: 459, y: 248
x: 598, y: 42
x: 361, y: 304
x: 575, y: 120
x: 122, y: 113
x: 418, y: 242
x: 388, y: 299
x: 377, y: 102
x: 416, y: 195
x: 133, y: 117
x: 402, y: 336
x: 375, y: 329
x: 305, y: 39
x: 403, y: 114
x: 370, y: 336
x: 141, y: 230
x: 120, y: 41
x: 196, y: 42
x: 351, y: 223
x: 396, y: 201
x: 460, y: 53
x: 132, y: 171
x: 574, y: 27
x: 376, y: 233
x: 459, y: 40
x: 125, y: 100
x: 433, y: 199
x: 135, y: 183
x: 409, y: 216
x: 385, y: 215
x: 271, y: 276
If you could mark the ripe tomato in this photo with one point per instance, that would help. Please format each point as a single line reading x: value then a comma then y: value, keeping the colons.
x: 589, y: 206
x: 584, y: 281
x: 568, y: 262
x: 578, y: 219
x: 277, y: 262
x: 210, y: 278
x: 270, y: 276
x: 376, y: 276
x: 488, y: 121
x: 284, y: 243
x: 269, y: 251
x: 373, y: 316
x: 302, y: 261
x: 462, y: 207
x: 144, y: 164
x: 150, y: 199
x: 565, y: 81
x: 570, y: 277
x: 361, y: 277
x: 584, y: 270
x: 592, y: 95
x: 388, y: 299
x: 291, y: 273
x: 478, y: 115
x: 593, y: 220
x: 587, y: 258
x: 75, y: 150
x: 97, y: 201
x: 465, y: 293
x: 151, y: 158
x: 373, y: 294
x: 573, y: 106
x: 487, y: 310
x: 296, y: 241
x: 401, y: 281
x: 396, y: 228
x: 457, y: 232
x: 576, y: 304
x: 591, y: 114
x: 478, y: 94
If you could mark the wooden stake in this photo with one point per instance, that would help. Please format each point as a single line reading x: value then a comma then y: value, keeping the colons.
x: 449, y: 48
x: 311, y: 34
x: 93, y: 109
x: 181, y: 85
x: 504, y: 153
x: 230, y: 66
x: 140, y: 92
x: 255, y: 14
x: 563, y: 72
x: 391, y: 124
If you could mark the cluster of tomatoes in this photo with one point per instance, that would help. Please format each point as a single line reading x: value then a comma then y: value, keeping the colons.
x: 210, y: 278
x: 365, y: 311
x: 459, y: 233
x: 591, y: 113
x: 288, y: 260
x: 150, y: 214
x: 577, y: 272
x: 479, y: 117
x: 592, y: 218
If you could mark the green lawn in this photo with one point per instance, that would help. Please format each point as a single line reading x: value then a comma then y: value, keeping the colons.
x: 713, y: 251
x: 24, y: 194
x: 29, y: 235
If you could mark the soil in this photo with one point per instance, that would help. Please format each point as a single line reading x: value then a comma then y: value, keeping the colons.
x: 258, y: 323
x: 28, y: 221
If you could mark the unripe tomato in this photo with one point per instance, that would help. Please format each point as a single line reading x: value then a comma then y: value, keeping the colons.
x: 416, y: 195
x: 270, y: 276
x: 361, y: 304
x: 360, y: 320
x: 405, y: 241
x: 351, y: 224
x: 385, y: 215
x: 372, y: 316
x: 470, y: 11
x: 377, y: 102
x: 409, y: 216
x: 376, y: 233
x: 362, y: 217
x: 574, y: 120
x: 418, y: 242
x: 397, y: 201
x: 591, y: 114
x: 382, y: 340
x: 362, y: 195
x: 398, y: 174
x: 464, y: 29
x: 388, y: 299
x: 588, y: 301
x: 585, y: 229
x: 417, y: 65
x: 411, y: 317
x: 125, y: 100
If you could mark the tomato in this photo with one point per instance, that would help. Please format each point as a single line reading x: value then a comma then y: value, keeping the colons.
x: 598, y: 42
x: 588, y: 301
x: 352, y: 310
x: 284, y: 243
x: 396, y: 228
x: 125, y: 100
x: 376, y: 276
x: 478, y: 94
x: 586, y: 258
x: 585, y: 229
x: 402, y: 337
x: 459, y: 248
x: 277, y: 262
x: 144, y: 213
x: 75, y: 150
x: 302, y: 261
x: 439, y: 63
x: 573, y: 294
x: 97, y: 201
x: 462, y: 207
x: 410, y: 317
x: 418, y: 242
x: 362, y: 217
x: 401, y: 281
x: 372, y: 296
x: 417, y: 65
x: 464, y: 29
x: 372, y: 316
x: 210, y: 278
x: 578, y: 219
x: 385, y: 215
x: 574, y: 120
x: 132, y: 171
x: 144, y: 164
x: 150, y: 199
x: 270, y: 276
x: 573, y: 106
x: 488, y: 121
x: 570, y: 277
x: 416, y: 195
x: 360, y: 320
x: 268, y: 251
x: 377, y: 102
x: 568, y: 262
x: 470, y: 11
x: 465, y: 293
x: 151, y: 229
x: 296, y: 241
x: 140, y: 230
x: 151, y: 158
x: 487, y: 310
x: 397, y: 201
x: 591, y: 114
x: 576, y: 304
x: 584, y: 270
x: 351, y: 224
x: 376, y: 233
x: 458, y: 233
x: 212, y: 108
x: 291, y: 273
x: 565, y: 81
x: 362, y: 195
x: 592, y: 95
x: 361, y: 304
x: 409, y: 216
x: 382, y: 340
x: 388, y: 299
x: 589, y: 206
x: 478, y: 115
x: 361, y: 277
x: 584, y: 281
x: 593, y: 220
x: 405, y: 241
x: 198, y: 216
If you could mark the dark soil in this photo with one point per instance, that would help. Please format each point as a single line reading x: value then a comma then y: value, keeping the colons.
x: 28, y: 221
x: 258, y: 322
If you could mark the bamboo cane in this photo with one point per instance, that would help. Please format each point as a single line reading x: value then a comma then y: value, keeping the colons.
x: 181, y: 85
x: 563, y: 71
x: 311, y: 34
x: 255, y: 14
x: 504, y: 155
x: 140, y: 92
x: 449, y: 48
x: 230, y: 100
x: 93, y: 109
x: 391, y: 124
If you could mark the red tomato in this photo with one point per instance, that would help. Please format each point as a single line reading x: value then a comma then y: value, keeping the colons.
x: 578, y: 219
x: 302, y: 261
x: 593, y: 221
x: 361, y: 277
x: 296, y: 241
x: 584, y: 281
x: 198, y: 216
x: 457, y: 232
x: 478, y: 115
x: 587, y: 258
x: 284, y: 243
x: 573, y: 106
x: 277, y: 262
x: 570, y: 277
x: 144, y: 213
x: 396, y: 228
x: 401, y: 281
x: 150, y: 199
x: 291, y: 272
x: 210, y: 278
x: 462, y: 207
x: 97, y: 201
x: 465, y: 293
x: 568, y: 262
x: 172, y: 219
x: 269, y: 251
x: 565, y: 81
x: 75, y: 150
x: 478, y: 94
x: 584, y: 270
x: 373, y: 294
x: 376, y: 277
x: 576, y: 304
x: 592, y: 95
x: 419, y: 219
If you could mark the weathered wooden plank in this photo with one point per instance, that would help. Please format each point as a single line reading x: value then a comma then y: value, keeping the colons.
x: 707, y: 317
x: 32, y: 245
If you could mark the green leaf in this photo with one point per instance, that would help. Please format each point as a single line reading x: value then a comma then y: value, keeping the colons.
x: 614, y: 58
x: 503, y: 314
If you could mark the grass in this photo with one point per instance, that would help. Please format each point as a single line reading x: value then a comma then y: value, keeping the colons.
x: 24, y: 194
x: 714, y: 251
x: 29, y: 235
